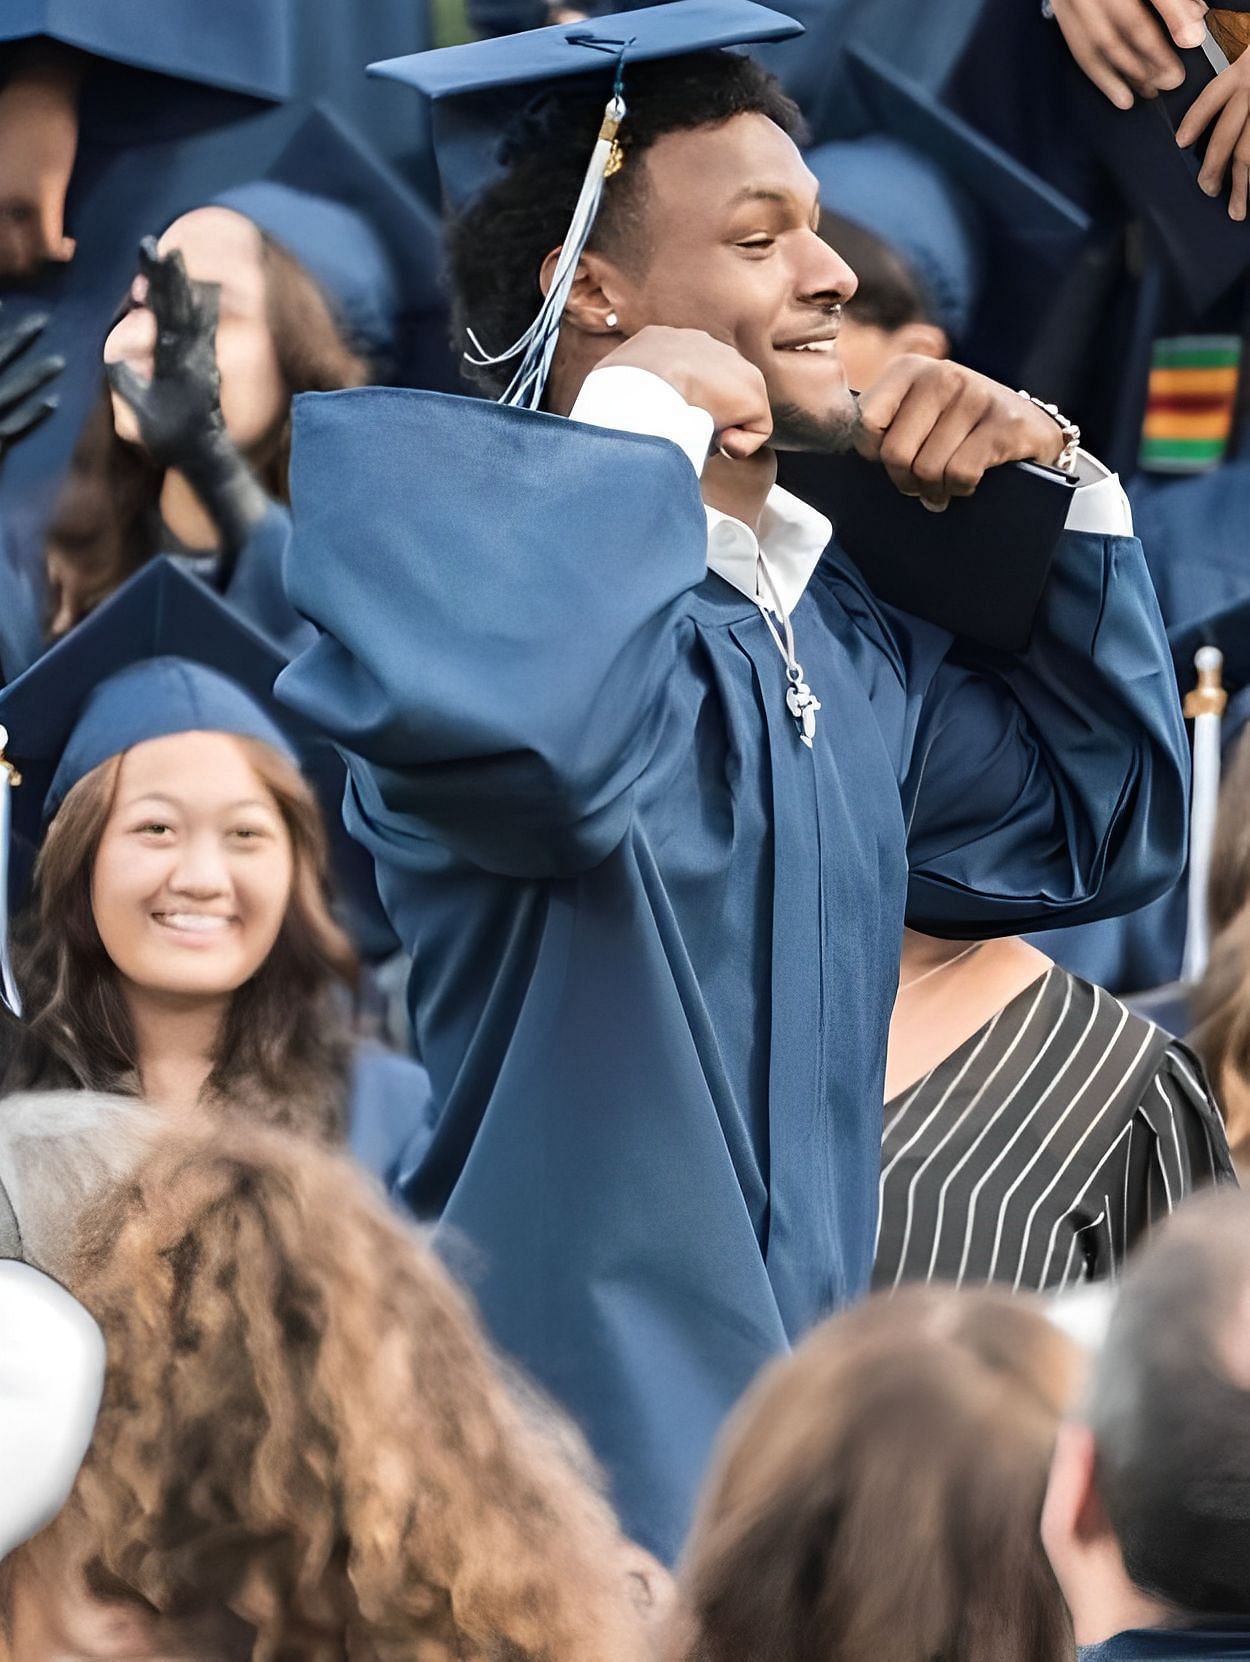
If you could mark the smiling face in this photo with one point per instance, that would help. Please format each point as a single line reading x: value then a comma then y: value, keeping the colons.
x: 194, y: 869
x: 730, y: 214
x: 223, y: 247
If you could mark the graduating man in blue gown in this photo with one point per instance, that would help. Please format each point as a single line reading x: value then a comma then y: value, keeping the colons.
x: 649, y: 775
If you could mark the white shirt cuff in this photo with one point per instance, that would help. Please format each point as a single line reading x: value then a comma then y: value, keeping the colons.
x: 636, y: 401
x: 1099, y: 505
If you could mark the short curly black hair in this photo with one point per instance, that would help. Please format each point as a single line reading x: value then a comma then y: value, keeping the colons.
x: 497, y: 246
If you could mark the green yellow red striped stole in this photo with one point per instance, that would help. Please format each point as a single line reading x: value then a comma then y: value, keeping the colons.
x: 1190, y: 403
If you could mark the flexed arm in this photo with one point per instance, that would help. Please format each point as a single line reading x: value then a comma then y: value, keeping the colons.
x: 499, y: 595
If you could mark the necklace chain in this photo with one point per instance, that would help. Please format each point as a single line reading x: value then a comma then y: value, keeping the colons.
x: 801, y: 701
x: 937, y: 969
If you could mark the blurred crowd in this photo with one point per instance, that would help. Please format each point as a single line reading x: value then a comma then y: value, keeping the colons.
x: 625, y: 960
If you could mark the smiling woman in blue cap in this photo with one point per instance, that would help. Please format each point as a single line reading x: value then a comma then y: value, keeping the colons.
x: 650, y: 776
x: 181, y: 945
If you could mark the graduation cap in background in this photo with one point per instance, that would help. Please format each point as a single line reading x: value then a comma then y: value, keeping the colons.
x: 347, y: 216
x: 163, y: 655
x: 932, y: 187
x: 479, y: 89
x: 236, y: 44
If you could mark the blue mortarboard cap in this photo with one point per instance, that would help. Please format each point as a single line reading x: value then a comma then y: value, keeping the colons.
x: 1024, y: 207
x: 902, y: 197
x: 237, y: 44
x: 371, y: 243
x: 479, y: 89
x: 163, y: 655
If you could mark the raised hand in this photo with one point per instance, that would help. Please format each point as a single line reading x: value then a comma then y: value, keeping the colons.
x: 24, y: 398
x: 182, y: 402
x: 1226, y: 102
x: 1125, y: 46
x: 38, y: 146
x: 178, y: 411
x: 936, y: 427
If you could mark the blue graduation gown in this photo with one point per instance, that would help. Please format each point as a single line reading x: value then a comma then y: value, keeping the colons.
x: 169, y: 115
x: 255, y: 589
x: 334, y: 43
x: 389, y: 1113
x: 655, y: 939
x: 1194, y: 532
x: 1158, y: 1644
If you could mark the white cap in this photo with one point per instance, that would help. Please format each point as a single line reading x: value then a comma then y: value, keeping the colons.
x: 51, y: 1382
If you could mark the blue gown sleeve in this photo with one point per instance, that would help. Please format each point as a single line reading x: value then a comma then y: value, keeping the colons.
x: 391, y: 1113
x: 1049, y: 787
x: 256, y: 590
x: 495, y: 656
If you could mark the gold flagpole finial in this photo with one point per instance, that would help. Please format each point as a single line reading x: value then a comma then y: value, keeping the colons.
x: 15, y: 777
x: 1208, y: 698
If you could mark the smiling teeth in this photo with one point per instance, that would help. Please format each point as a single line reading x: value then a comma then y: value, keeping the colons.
x: 197, y: 923
x: 812, y: 346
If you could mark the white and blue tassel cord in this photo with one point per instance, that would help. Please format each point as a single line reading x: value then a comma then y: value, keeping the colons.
x: 536, y: 347
x: 9, y: 778
x: 1205, y: 706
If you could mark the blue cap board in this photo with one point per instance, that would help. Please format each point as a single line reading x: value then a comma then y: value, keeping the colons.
x: 1025, y: 206
x: 347, y: 216
x: 163, y: 655
x: 242, y: 45
x: 934, y: 189
x: 479, y: 89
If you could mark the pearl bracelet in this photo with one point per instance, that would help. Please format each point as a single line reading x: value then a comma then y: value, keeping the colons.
x: 1071, y: 432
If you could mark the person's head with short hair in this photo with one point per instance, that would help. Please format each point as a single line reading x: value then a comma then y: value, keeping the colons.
x: 878, y: 1493
x: 1147, y: 1517
x: 305, y: 1447
x: 710, y: 224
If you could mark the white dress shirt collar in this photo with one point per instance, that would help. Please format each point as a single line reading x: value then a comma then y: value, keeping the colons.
x: 792, y: 538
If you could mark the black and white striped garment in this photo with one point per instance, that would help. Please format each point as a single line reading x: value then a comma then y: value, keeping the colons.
x: 1043, y: 1147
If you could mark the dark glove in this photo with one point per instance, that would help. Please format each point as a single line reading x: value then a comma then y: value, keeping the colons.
x: 179, y: 409
x: 23, y: 403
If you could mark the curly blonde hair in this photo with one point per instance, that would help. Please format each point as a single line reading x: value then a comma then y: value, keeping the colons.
x: 304, y: 1426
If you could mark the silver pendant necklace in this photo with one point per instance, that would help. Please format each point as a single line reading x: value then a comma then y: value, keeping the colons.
x: 801, y: 701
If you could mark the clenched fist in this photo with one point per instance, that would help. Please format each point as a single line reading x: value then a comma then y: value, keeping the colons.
x: 708, y: 374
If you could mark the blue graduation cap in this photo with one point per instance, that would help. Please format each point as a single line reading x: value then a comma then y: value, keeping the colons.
x: 932, y: 187
x: 480, y: 88
x: 371, y: 243
x: 240, y: 45
x: 163, y: 655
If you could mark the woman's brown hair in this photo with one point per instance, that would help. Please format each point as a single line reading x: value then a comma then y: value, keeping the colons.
x: 877, y: 1496
x: 283, y: 1052
x: 107, y: 519
x: 303, y: 1425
